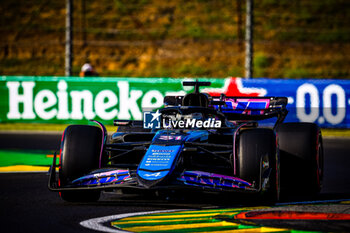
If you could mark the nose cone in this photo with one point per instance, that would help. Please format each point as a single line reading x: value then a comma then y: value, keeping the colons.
x: 157, y: 164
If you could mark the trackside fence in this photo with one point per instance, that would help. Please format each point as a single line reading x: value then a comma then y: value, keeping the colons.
x: 73, y: 100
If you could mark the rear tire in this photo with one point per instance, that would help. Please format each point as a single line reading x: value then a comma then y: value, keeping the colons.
x: 257, y: 153
x: 80, y: 153
x: 302, y: 159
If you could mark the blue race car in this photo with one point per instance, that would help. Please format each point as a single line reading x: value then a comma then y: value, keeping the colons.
x: 195, y: 142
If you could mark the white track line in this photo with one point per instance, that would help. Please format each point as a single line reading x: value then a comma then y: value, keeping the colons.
x: 97, y: 223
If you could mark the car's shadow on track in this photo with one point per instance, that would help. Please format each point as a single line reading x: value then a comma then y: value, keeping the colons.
x: 198, y: 200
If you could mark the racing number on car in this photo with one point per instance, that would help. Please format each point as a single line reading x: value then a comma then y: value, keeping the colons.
x: 169, y: 137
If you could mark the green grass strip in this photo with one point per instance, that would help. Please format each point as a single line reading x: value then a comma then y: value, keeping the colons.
x: 187, y: 230
x: 11, y: 158
x: 189, y: 217
x: 301, y: 231
x: 206, y: 211
x: 171, y: 219
x: 165, y: 222
x: 203, y: 229
x: 335, y: 132
x: 32, y: 127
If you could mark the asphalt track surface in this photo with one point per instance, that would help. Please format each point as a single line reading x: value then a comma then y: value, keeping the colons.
x: 26, y: 205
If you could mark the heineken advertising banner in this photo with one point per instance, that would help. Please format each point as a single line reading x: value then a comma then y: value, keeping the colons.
x: 76, y: 100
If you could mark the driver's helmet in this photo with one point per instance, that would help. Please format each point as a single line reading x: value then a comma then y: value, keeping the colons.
x: 195, y: 99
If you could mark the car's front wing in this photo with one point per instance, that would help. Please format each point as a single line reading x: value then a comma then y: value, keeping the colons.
x: 112, y: 178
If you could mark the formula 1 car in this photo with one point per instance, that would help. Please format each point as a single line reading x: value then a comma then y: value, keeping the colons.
x: 195, y: 142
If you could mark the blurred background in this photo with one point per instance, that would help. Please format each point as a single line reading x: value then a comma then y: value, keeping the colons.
x: 177, y: 38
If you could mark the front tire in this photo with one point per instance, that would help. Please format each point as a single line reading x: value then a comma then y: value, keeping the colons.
x: 80, y: 153
x: 258, y: 161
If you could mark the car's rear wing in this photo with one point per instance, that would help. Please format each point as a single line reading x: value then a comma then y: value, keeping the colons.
x: 246, y: 106
x: 250, y: 108
x: 238, y: 108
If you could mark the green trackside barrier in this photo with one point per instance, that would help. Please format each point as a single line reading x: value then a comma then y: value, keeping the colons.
x: 73, y: 100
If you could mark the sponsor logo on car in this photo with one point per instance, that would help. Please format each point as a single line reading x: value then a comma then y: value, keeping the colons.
x: 153, y: 174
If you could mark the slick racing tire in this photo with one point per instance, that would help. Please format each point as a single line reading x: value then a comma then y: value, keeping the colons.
x: 80, y: 152
x: 258, y: 162
x: 302, y: 159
